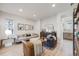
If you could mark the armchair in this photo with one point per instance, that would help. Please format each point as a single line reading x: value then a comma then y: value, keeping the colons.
x: 51, y: 40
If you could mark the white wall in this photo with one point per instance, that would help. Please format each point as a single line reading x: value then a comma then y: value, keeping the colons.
x: 16, y: 19
x: 59, y: 31
x: 37, y: 26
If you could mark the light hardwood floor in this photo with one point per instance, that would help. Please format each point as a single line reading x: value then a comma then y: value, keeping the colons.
x: 17, y: 50
x: 68, y: 47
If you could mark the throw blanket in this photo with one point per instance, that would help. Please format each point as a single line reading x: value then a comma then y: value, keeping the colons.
x: 38, y: 49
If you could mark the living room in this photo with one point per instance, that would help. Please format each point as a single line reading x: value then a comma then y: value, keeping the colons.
x: 26, y: 22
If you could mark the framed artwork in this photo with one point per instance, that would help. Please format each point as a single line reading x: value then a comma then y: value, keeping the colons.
x: 25, y: 27
x: 28, y: 27
x: 49, y: 27
x: 20, y: 26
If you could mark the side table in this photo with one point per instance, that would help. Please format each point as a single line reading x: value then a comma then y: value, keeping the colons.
x: 0, y: 43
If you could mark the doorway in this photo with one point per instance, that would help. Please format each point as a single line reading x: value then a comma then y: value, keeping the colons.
x: 67, y: 23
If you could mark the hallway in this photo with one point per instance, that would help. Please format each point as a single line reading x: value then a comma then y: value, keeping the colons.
x: 68, y: 47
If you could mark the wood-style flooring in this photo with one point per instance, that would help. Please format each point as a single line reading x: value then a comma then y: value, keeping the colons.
x: 17, y: 50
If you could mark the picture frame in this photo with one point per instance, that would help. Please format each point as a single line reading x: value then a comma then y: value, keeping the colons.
x: 24, y: 27
x: 28, y: 27
x: 20, y: 26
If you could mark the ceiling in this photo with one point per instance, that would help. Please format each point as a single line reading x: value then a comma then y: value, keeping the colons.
x: 41, y: 10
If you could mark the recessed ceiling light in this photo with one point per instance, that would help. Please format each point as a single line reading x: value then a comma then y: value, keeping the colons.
x: 34, y: 15
x: 20, y: 10
x: 53, y: 5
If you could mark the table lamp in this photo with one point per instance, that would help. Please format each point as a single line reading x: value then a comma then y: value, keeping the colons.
x: 8, y: 32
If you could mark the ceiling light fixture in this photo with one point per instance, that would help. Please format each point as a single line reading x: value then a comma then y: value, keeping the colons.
x: 53, y: 5
x: 34, y: 15
x: 20, y: 10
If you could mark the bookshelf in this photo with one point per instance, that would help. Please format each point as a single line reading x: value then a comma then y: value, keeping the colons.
x: 76, y: 31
